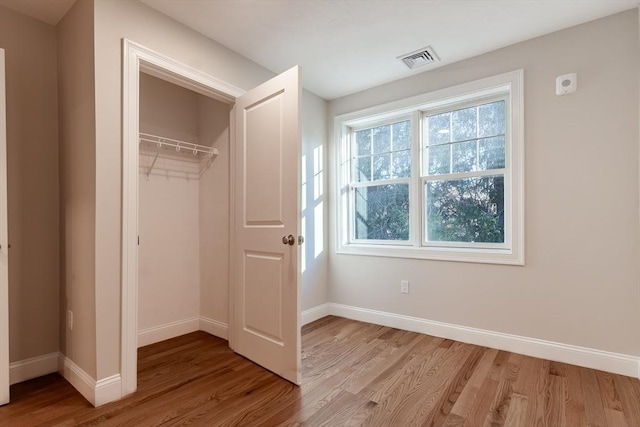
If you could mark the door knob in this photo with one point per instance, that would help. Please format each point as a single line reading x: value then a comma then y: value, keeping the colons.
x: 289, y: 240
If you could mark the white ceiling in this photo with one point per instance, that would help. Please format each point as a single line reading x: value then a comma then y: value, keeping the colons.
x: 345, y: 46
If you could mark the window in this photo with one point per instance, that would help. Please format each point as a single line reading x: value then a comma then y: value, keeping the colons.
x: 380, y: 177
x: 437, y: 176
x: 463, y: 175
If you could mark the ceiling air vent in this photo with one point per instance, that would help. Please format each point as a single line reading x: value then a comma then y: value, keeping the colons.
x: 419, y: 58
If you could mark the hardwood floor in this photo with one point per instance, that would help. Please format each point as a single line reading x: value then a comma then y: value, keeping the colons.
x: 353, y: 374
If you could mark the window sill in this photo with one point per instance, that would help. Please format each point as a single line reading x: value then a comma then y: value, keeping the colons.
x: 482, y: 256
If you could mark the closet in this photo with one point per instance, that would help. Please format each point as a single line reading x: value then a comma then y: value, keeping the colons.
x: 178, y: 215
x: 183, y: 218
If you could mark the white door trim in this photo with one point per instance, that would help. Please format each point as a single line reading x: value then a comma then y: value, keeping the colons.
x: 4, y: 243
x: 137, y: 58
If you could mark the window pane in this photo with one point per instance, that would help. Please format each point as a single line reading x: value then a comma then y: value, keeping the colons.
x: 382, y: 166
x: 382, y: 152
x: 402, y: 164
x: 381, y: 139
x: 491, y: 119
x: 465, y: 210
x: 382, y: 212
x: 439, y: 159
x: 464, y: 156
x: 438, y: 126
x: 492, y: 153
x: 401, y: 135
x: 363, y: 142
x: 362, y: 169
x: 463, y: 124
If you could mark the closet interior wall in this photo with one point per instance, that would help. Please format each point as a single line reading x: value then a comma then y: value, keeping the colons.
x: 183, y: 214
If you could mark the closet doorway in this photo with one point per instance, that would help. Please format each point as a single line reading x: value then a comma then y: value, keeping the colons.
x: 251, y: 140
x: 183, y: 212
x: 4, y: 244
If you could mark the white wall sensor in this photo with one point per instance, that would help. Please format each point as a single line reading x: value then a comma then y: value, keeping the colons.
x: 566, y: 83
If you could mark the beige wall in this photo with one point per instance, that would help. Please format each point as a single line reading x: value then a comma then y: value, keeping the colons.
x: 32, y: 149
x: 168, y: 255
x: 77, y: 184
x: 580, y: 282
x: 167, y: 109
x: 314, y: 214
x: 214, y: 212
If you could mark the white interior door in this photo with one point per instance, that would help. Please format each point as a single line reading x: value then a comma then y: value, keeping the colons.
x: 4, y: 247
x: 266, y: 304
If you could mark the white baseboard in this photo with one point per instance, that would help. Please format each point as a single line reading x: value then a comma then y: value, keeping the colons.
x: 165, y: 332
x: 214, y: 327
x: 34, y: 367
x: 108, y: 390
x: 315, y: 313
x: 96, y: 392
x: 581, y: 356
x: 78, y: 378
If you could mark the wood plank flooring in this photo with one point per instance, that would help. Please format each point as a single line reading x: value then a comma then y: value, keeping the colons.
x: 354, y: 374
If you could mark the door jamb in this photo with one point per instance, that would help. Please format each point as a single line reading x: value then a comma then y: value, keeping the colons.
x: 4, y: 243
x: 138, y: 58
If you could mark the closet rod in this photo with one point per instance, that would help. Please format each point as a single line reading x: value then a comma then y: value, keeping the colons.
x: 179, y: 145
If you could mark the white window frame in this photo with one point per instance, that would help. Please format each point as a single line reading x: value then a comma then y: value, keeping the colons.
x: 511, y: 85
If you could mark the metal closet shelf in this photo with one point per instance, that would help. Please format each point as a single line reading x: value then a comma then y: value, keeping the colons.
x: 180, y: 146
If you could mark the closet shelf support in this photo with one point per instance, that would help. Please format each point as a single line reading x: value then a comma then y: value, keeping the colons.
x: 153, y: 163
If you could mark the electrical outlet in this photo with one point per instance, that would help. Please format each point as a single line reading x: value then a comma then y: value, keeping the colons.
x: 404, y: 286
x: 70, y: 320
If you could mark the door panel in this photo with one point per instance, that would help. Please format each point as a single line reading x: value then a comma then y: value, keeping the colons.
x: 263, y: 162
x: 266, y: 305
x: 4, y: 246
x: 263, y: 289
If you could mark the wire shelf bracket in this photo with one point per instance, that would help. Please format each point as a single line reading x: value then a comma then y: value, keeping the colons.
x: 188, y: 147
